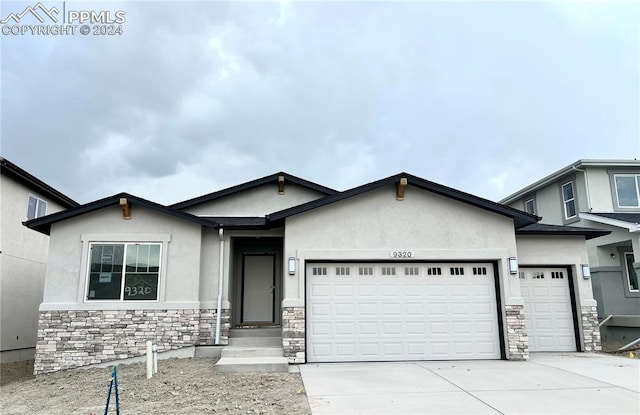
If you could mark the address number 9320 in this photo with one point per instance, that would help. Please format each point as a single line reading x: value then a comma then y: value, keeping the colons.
x: 401, y: 254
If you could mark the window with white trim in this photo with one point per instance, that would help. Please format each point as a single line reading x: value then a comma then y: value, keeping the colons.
x: 568, y: 200
x: 124, y: 271
x: 36, y: 207
x: 529, y: 206
x: 627, y: 190
x: 632, y: 277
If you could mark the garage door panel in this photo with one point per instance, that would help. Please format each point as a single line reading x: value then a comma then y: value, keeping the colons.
x: 438, y: 327
x: 321, y: 290
x: 366, y: 290
x: 548, y: 310
x: 459, y: 309
x: 416, y: 328
x: 343, y: 290
x: 436, y: 309
x: 391, y: 309
x: 414, y: 309
x: 345, y: 329
x: 344, y: 310
x: 400, y: 312
x: 389, y: 291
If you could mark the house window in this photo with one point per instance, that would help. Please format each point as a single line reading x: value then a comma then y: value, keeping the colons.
x: 569, y: 200
x: 632, y: 277
x: 124, y: 271
x: 36, y: 208
x: 628, y: 190
x: 529, y: 206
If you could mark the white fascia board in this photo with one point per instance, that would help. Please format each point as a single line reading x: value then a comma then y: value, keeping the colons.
x: 632, y: 227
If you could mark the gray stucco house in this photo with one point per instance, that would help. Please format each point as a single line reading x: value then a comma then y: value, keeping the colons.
x: 603, y: 194
x: 23, y: 257
x: 398, y: 269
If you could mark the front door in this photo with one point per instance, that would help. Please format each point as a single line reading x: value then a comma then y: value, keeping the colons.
x: 258, y: 288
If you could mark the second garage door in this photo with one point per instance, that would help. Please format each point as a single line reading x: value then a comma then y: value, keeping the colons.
x: 390, y: 312
x: 547, y: 308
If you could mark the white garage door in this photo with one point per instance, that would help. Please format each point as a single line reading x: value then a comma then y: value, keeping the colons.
x: 386, y: 312
x: 547, y: 308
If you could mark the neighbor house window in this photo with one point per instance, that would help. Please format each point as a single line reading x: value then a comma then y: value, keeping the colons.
x: 529, y: 206
x: 632, y: 277
x: 628, y: 190
x: 568, y: 200
x: 36, y: 208
x: 124, y: 271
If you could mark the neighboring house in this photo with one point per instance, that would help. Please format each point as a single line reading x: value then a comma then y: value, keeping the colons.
x: 23, y: 257
x: 398, y: 269
x: 603, y: 194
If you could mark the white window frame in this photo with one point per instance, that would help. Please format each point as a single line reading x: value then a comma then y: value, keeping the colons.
x: 615, y: 183
x: 565, y: 201
x: 38, y: 203
x: 533, y: 206
x: 124, y: 260
x: 626, y: 264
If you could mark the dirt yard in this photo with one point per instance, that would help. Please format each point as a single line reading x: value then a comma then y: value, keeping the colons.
x: 181, y: 386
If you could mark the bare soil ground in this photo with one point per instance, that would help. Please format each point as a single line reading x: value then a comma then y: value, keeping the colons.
x: 611, y: 347
x: 181, y: 386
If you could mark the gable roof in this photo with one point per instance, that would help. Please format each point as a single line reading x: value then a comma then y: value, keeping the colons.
x: 519, y: 217
x: 43, y: 224
x: 23, y: 177
x: 571, y: 168
x: 251, y: 185
x: 554, y: 230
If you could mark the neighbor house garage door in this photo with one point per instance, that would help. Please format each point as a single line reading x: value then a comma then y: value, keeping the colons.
x: 385, y: 312
x: 547, y: 309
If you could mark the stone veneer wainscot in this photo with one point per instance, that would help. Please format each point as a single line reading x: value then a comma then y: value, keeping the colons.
x: 590, y: 329
x: 517, y: 338
x: 69, y: 339
x: 293, y: 334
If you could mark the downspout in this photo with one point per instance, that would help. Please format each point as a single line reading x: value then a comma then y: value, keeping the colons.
x: 586, y: 185
x: 220, y: 281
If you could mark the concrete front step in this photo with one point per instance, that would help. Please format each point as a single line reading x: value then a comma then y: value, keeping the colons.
x: 255, y: 341
x: 237, y: 351
x: 252, y: 364
x: 256, y: 332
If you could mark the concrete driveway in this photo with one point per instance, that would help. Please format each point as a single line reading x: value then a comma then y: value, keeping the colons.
x: 553, y: 383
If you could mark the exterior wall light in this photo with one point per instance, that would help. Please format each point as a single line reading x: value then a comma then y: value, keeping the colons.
x: 292, y: 266
x: 513, y: 265
x: 586, y: 271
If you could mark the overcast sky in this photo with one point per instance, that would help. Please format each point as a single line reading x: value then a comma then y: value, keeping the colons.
x: 485, y: 97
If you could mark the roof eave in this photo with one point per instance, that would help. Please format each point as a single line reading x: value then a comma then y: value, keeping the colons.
x: 250, y: 185
x: 29, y: 180
x: 520, y: 218
x: 565, y: 171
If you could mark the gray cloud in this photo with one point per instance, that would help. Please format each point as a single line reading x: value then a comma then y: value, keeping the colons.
x: 485, y: 97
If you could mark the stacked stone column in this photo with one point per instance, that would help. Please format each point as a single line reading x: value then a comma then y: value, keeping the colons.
x: 517, y: 338
x: 293, y: 334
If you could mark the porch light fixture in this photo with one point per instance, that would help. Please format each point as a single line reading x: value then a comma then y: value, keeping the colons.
x: 586, y: 271
x: 292, y: 266
x: 513, y: 265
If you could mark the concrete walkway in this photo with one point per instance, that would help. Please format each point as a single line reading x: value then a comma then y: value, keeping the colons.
x: 558, y: 383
